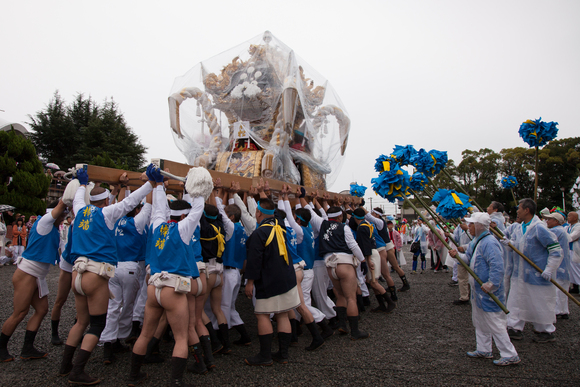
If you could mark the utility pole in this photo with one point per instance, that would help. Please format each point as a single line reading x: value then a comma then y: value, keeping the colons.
x: 371, y: 200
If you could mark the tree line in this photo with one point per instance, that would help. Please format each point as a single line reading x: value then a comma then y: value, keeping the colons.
x: 480, y: 172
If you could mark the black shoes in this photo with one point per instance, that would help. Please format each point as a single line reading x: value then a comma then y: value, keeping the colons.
x: 460, y: 302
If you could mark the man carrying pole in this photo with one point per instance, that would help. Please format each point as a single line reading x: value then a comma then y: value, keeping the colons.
x: 484, y: 256
x: 532, y: 297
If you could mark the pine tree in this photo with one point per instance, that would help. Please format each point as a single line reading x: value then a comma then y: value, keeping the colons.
x: 24, y: 182
x: 85, y: 132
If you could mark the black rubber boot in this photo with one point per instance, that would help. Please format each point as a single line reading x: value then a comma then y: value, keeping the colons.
x: 367, y: 301
x: 406, y: 285
x: 178, y: 365
x: 244, y: 337
x: 317, y: 340
x: 393, y: 291
x: 108, y: 356
x: 382, y: 307
x: 326, y: 329
x: 198, y: 366
x: 390, y: 303
x: 264, y: 358
x: 294, y: 334
x: 153, y: 356
x: 359, y: 303
x: 205, y: 343
x: 283, y: 344
x: 135, y: 375
x: 67, y: 358
x: 4, y: 354
x: 55, y: 340
x: 28, y: 350
x: 333, y: 322
x: 216, y: 344
x: 225, y: 334
x: 341, y: 315
x: 135, y: 332
x: 118, y: 347
x: 355, y: 334
x: 78, y: 375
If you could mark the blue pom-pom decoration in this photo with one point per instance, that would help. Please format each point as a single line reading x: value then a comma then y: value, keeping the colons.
x: 357, y: 190
x: 418, y: 181
x: 423, y: 162
x: 403, y: 154
x: 509, y: 182
x: 392, y: 183
x: 379, y: 166
x: 538, y: 133
x: 452, y: 204
x: 440, y: 158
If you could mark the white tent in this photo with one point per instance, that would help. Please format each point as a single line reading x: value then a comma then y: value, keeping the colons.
x: 19, y: 128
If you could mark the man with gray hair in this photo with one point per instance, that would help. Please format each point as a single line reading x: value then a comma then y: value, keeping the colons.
x: 532, y: 297
x: 484, y: 256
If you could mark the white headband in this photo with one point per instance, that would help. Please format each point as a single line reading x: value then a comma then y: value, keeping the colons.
x: 334, y: 214
x: 180, y: 212
x: 101, y: 196
x: 378, y: 213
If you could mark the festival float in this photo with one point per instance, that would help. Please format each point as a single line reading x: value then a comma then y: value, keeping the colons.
x: 259, y: 110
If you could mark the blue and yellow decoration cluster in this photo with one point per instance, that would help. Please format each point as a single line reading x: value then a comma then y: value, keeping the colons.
x: 537, y: 133
x: 509, y: 182
x: 357, y: 190
x: 452, y: 204
x: 394, y: 182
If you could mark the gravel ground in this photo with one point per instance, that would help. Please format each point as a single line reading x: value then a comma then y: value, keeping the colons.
x: 423, y: 342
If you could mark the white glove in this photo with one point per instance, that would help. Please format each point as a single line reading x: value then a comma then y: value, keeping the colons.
x: 504, y: 241
x: 487, y: 287
x: 547, y: 273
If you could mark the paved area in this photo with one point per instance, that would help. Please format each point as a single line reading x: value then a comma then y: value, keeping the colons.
x: 423, y: 342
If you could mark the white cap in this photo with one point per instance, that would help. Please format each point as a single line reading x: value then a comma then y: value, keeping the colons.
x: 557, y: 216
x: 479, y: 217
x: 545, y: 212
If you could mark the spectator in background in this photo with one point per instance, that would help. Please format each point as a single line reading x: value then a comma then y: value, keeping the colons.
x: 19, y: 234
x: 8, y: 257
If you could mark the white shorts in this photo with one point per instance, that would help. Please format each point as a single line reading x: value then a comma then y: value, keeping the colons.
x: 390, y: 246
x: 65, y: 266
x: 39, y: 270
x: 278, y: 304
x: 376, y: 260
x: 213, y: 267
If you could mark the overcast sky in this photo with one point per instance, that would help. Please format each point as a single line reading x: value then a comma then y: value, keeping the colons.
x: 446, y: 75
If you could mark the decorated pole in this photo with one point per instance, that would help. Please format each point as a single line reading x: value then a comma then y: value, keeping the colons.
x: 433, y: 215
x: 393, y: 183
x: 537, y: 133
x: 536, y: 178
x: 465, y: 265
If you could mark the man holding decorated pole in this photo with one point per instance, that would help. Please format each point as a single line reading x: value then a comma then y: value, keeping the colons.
x: 484, y: 256
x: 532, y: 297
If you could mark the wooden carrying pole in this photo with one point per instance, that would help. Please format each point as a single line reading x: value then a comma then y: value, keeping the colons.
x: 465, y: 265
x: 111, y: 176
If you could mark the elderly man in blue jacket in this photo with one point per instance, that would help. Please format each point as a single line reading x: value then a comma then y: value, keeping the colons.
x: 484, y: 256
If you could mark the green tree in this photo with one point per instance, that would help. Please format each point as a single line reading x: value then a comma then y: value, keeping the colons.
x: 558, y: 168
x: 24, y: 182
x: 479, y: 173
x: 82, y: 131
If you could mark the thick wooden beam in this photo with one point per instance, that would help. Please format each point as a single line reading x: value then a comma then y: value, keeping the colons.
x: 111, y: 176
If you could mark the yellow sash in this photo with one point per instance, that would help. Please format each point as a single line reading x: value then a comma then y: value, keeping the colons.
x: 279, y: 232
x: 370, y: 226
x: 220, y: 239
